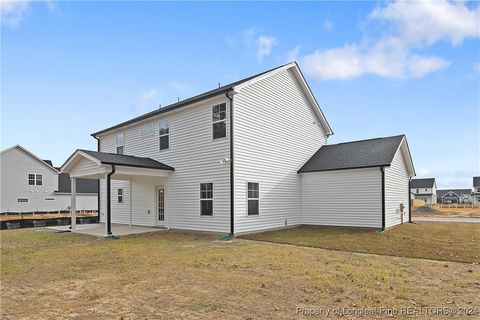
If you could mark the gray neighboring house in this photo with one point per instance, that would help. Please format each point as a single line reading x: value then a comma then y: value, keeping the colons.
x: 424, y: 189
x: 449, y: 196
x: 476, y: 191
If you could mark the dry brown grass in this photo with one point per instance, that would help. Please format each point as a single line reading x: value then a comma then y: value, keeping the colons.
x: 429, y: 240
x: 172, y: 275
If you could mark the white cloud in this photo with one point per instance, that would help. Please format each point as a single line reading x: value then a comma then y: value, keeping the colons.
x: 147, y: 100
x: 413, y: 26
x: 327, y: 25
x: 423, y: 172
x: 13, y: 11
x: 293, y: 54
x: 476, y: 67
x: 426, y: 22
x: 264, y: 46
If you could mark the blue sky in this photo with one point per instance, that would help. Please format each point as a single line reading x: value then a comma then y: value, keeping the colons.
x: 377, y: 68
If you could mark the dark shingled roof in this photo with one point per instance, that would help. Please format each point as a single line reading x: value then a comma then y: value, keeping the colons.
x: 476, y: 181
x: 49, y: 162
x: 422, y: 183
x: 185, y: 102
x: 355, y: 154
x: 83, y: 185
x: 124, y: 160
x: 459, y: 192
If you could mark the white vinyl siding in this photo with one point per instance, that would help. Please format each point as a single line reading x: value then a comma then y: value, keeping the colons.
x: 350, y: 198
x: 276, y: 132
x: 84, y: 166
x: 396, y: 190
x: 16, y: 165
x: 196, y: 159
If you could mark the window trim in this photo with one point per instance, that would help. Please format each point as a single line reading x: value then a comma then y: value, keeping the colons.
x: 163, y: 135
x: 258, y: 199
x: 18, y: 200
x: 146, y: 135
x: 209, y: 199
x: 120, y: 195
x: 32, y: 179
x: 120, y: 145
x: 218, y: 121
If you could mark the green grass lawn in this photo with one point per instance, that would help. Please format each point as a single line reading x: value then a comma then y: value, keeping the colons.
x: 172, y: 275
x: 430, y: 240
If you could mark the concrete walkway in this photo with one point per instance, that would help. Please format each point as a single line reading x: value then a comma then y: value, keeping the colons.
x: 434, y: 219
x: 98, y: 229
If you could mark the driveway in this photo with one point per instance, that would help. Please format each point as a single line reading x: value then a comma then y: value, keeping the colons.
x: 472, y: 220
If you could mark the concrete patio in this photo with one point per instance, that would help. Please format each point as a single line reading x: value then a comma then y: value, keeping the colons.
x: 98, y: 229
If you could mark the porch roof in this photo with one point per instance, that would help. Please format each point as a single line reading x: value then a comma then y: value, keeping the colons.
x: 125, y: 160
x: 94, y: 165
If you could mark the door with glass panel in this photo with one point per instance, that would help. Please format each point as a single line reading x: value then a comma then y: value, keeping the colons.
x: 161, y: 205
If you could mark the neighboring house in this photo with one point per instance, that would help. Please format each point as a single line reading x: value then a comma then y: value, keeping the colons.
x: 245, y: 157
x: 476, y: 191
x: 30, y: 184
x: 454, y: 196
x: 424, y: 189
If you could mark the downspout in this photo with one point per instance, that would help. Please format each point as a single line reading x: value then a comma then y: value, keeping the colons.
x: 382, y: 169
x: 232, y: 180
x: 109, y: 202
x: 98, y: 184
x: 409, y: 201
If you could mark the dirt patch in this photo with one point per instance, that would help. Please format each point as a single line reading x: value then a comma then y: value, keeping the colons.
x: 39, y: 216
x: 425, y: 209
x: 171, y: 275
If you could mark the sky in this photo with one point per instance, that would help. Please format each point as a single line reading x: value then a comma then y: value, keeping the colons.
x: 69, y: 69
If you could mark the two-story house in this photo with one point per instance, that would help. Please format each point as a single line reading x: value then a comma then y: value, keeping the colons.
x: 424, y: 189
x: 248, y: 156
x: 476, y: 191
x: 30, y: 184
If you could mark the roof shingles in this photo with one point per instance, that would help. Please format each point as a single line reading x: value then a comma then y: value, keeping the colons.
x: 125, y: 160
x: 356, y: 154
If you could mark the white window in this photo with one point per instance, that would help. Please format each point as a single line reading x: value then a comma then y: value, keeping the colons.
x: 31, y: 179
x: 253, y: 198
x: 147, y: 130
x: 22, y: 200
x: 120, y: 142
x: 38, y: 179
x: 219, y: 121
x: 49, y: 199
x: 164, y: 132
x: 206, y: 199
x: 120, y: 195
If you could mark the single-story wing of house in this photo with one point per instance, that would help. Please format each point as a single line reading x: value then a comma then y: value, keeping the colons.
x: 448, y: 196
x: 248, y: 156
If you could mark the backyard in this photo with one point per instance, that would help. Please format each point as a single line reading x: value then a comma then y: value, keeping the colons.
x: 173, y: 275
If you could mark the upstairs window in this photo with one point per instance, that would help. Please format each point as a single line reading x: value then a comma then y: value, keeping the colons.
x: 219, y: 121
x: 164, y: 132
x: 31, y: 179
x: 206, y: 199
x: 146, y: 130
x: 38, y: 179
x: 253, y: 198
x: 120, y: 142
x: 120, y: 195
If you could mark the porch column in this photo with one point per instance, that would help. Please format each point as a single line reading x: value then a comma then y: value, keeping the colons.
x: 73, y: 206
x: 108, y: 224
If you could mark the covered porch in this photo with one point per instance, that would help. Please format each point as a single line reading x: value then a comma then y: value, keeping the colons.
x: 133, y: 190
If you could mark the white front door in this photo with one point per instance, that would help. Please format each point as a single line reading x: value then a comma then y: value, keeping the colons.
x: 161, y: 206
